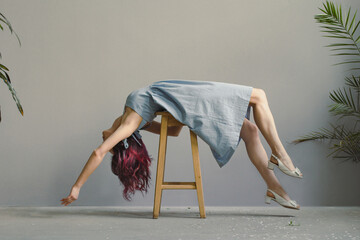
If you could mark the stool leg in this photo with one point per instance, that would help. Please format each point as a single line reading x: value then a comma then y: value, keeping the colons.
x: 197, y: 173
x: 160, y: 166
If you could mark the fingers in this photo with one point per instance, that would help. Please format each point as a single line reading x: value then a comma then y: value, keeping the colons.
x: 74, y: 193
x: 66, y: 201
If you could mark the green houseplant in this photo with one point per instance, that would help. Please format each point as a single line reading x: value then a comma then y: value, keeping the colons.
x: 4, y: 70
x: 345, y: 134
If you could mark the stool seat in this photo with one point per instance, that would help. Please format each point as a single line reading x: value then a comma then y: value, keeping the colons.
x: 171, y: 120
x: 167, y: 120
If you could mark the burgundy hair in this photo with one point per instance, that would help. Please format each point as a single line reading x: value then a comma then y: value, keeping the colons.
x: 131, y: 165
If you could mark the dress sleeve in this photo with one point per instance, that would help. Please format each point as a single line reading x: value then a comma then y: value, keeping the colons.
x: 143, y: 104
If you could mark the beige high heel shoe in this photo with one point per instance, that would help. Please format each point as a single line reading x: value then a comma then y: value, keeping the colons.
x: 280, y: 200
x: 283, y: 168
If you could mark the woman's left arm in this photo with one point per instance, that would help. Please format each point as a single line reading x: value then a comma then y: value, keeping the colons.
x: 129, y: 123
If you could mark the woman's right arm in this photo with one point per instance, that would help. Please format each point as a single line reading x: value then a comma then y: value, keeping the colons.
x: 90, y: 166
x: 129, y: 123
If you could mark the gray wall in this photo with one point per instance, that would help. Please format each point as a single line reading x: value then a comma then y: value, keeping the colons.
x: 80, y: 59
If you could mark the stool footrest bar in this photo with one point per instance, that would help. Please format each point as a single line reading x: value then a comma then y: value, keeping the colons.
x: 178, y: 185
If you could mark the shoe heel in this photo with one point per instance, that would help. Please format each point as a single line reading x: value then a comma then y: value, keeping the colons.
x: 271, y: 165
x: 267, y: 199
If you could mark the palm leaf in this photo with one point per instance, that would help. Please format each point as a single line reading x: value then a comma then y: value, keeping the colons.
x: 344, y: 101
x: 347, y: 142
x: 335, y: 26
x: 3, y: 69
x: 343, y: 106
x: 353, y: 82
x: 321, y: 134
x: 4, y: 20
x: 7, y: 81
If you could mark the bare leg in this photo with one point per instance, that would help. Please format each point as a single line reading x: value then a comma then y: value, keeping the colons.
x: 258, y: 156
x: 265, y: 122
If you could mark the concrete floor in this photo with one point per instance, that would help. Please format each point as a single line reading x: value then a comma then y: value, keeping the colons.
x: 179, y: 223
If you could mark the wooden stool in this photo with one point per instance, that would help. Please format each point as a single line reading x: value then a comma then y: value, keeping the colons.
x: 168, y: 120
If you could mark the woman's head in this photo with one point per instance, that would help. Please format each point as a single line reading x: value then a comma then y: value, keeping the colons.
x: 131, y: 163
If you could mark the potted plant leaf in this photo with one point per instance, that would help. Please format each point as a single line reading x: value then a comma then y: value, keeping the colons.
x: 345, y: 134
x: 4, y: 70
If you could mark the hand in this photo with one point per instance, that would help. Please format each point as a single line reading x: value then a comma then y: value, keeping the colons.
x: 74, y: 194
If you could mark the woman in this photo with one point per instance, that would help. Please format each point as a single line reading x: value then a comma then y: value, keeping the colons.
x: 218, y: 113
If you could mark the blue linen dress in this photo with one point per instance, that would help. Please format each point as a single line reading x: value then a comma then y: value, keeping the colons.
x: 214, y: 111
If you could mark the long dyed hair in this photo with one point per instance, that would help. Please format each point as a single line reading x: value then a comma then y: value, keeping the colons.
x: 131, y: 165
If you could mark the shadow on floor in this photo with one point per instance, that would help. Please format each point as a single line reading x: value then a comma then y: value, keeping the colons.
x: 124, y: 213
